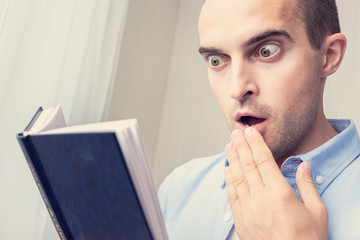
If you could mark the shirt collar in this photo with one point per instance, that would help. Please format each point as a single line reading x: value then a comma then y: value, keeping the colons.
x: 329, y: 159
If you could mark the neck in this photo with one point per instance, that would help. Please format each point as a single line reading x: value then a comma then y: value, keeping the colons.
x: 318, y: 134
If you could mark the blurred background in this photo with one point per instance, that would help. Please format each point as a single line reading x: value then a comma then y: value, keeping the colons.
x: 115, y: 59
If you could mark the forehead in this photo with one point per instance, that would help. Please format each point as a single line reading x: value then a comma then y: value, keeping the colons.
x: 245, y: 18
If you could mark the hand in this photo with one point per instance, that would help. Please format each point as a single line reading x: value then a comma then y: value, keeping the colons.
x: 263, y: 204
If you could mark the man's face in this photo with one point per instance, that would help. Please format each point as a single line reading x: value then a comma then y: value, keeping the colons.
x: 263, y: 70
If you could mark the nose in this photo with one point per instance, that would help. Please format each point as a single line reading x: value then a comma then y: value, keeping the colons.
x: 243, y: 82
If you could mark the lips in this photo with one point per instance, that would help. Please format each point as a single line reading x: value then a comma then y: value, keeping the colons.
x: 245, y: 119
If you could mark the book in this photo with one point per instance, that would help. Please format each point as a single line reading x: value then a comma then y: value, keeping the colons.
x: 94, y: 178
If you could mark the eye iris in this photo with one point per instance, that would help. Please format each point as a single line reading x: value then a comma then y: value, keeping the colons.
x: 265, y: 52
x: 214, y: 61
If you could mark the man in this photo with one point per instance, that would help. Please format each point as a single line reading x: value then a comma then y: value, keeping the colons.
x: 268, y: 61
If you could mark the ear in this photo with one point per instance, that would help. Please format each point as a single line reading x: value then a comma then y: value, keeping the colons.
x: 334, y: 49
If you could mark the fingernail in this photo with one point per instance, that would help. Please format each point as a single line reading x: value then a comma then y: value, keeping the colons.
x: 235, y: 134
x: 249, y: 131
x: 229, y: 148
x: 306, y: 167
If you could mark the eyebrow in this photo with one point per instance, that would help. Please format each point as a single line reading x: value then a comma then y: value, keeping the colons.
x: 203, y: 50
x: 267, y: 34
x: 258, y: 38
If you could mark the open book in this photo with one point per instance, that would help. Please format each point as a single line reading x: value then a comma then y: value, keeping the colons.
x: 94, y: 178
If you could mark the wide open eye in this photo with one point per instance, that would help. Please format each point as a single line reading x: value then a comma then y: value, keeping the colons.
x: 268, y: 50
x: 215, y: 60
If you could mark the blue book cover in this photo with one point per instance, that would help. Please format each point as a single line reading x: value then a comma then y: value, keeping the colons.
x: 86, y: 184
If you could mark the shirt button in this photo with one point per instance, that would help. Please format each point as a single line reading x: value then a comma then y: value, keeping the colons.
x: 227, y: 217
x: 319, y: 179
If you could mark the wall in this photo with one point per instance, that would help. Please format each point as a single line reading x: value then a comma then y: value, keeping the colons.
x: 192, y: 124
x: 143, y: 66
x: 342, y: 89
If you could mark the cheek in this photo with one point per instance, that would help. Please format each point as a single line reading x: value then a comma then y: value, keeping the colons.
x: 286, y: 84
x: 220, y: 91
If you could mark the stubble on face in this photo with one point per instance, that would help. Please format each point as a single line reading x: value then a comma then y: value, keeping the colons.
x: 299, y: 120
x: 288, y: 127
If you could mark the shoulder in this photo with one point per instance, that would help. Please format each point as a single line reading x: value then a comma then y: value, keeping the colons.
x: 196, y: 169
x: 197, y: 174
x: 199, y: 166
x: 194, y: 192
x: 342, y: 199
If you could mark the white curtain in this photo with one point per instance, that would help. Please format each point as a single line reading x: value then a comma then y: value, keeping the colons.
x: 51, y: 52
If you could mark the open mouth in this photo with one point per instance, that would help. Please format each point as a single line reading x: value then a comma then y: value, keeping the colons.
x: 250, y: 121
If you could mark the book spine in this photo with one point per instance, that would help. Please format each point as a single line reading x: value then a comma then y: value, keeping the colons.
x: 29, y: 153
x: 33, y: 120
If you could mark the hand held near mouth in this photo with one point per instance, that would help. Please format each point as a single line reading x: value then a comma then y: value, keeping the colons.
x: 264, y: 205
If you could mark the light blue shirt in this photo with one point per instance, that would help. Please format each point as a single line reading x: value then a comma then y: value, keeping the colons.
x: 194, y: 201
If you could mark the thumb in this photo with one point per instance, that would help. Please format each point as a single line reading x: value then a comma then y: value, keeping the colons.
x: 311, y: 199
x: 306, y: 186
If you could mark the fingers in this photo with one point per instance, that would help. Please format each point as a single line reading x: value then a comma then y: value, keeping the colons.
x: 233, y: 197
x: 310, y: 195
x: 307, y: 189
x: 250, y: 158
x: 231, y: 192
x: 235, y: 178
x: 263, y: 158
x: 246, y: 158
